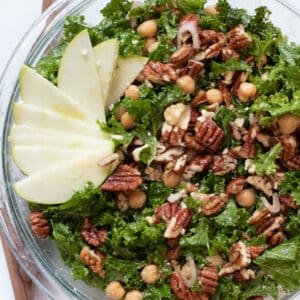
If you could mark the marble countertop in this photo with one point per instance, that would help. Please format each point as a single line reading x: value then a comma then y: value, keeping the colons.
x: 13, y: 24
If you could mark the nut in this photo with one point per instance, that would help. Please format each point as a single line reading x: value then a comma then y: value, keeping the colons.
x: 247, y: 150
x: 228, y: 52
x: 197, y: 165
x: 93, y: 259
x: 235, y: 186
x: 92, y: 235
x: 159, y: 73
x: 192, y: 68
x: 223, y: 164
x: 121, y: 201
x: 294, y: 163
x: 238, y: 38
x: 245, y: 275
x: 209, y: 134
x: 182, y: 55
x: 124, y: 178
x: 209, y: 280
x: 256, y: 251
x: 213, y: 204
x: 261, y: 183
x: 288, y: 201
x: 39, y: 224
x: 289, y: 144
x: 239, y: 258
x: 225, y: 92
x: 174, y: 113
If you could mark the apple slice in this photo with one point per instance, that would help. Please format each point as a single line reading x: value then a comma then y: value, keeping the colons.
x: 27, y: 114
x: 78, y: 75
x: 127, y: 70
x: 106, y: 54
x: 31, y: 159
x: 72, y: 141
x: 57, y: 184
x: 37, y: 90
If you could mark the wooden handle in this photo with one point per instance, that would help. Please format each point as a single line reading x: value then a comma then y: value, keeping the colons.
x: 21, y: 283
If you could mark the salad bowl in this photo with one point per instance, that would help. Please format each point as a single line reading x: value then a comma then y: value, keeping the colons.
x: 41, y: 258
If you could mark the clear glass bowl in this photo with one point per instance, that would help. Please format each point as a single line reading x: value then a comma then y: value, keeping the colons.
x: 40, y: 258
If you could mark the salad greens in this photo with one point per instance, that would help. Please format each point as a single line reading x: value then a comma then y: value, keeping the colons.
x: 132, y: 241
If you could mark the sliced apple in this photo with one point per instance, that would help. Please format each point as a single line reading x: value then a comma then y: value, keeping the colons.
x: 127, y: 70
x: 78, y: 75
x: 31, y: 159
x: 57, y: 184
x: 37, y: 90
x: 27, y: 114
x: 106, y: 54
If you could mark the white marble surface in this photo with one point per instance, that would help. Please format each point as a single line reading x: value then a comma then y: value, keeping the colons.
x: 15, y: 17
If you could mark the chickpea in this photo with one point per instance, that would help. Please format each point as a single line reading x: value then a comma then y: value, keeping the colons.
x: 214, y: 96
x: 133, y: 92
x: 137, y: 199
x: 288, y: 123
x: 215, y: 260
x: 148, y: 43
x: 127, y: 121
x: 246, y: 198
x: 115, y: 290
x: 134, y: 295
x: 187, y: 83
x: 119, y: 113
x: 211, y: 10
x: 170, y: 179
x: 246, y: 91
x: 153, y: 47
x: 150, y: 274
x: 186, y: 271
x: 148, y: 28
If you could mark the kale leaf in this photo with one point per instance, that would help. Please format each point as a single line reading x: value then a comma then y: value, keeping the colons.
x: 283, y: 264
x: 158, y: 292
x: 291, y: 185
x: 212, y: 183
x: 270, y: 108
x: 265, y: 163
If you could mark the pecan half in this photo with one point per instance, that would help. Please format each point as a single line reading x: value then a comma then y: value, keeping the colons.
x: 191, y: 143
x: 261, y: 183
x: 238, y: 38
x: 39, y: 224
x: 124, y: 178
x: 294, y: 163
x: 165, y: 155
x: 236, y: 128
x: 235, y: 186
x: 276, y: 239
x: 289, y: 144
x: 178, y: 223
x: 93, y: 259
x: 225, y: 93
x: 288, y: 201
x: 174, y: 253
x: 209, y: 134
x: 266, y: 140
x: 256, y: 251
x: 239, y: 258
x: 228, y: 52
x: 197, y: 165
x: 213, y: 204
x: 159, y: 73
x: 166, y: 211
x: 92, y: 235
x: 181, y: 291
x: 247, y: 150
x: 200, y: 98
x: 259, y: 215
x: 224, y: 164
x: 209, y: 280
x: 244, y: 275
x: 182, y: 55
x: 192, y: 68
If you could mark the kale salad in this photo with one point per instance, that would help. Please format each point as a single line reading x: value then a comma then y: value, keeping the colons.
x: 204, y: 202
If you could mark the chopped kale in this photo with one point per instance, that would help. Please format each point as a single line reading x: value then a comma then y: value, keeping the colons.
x: 291, y: 185
x: 212, y: 183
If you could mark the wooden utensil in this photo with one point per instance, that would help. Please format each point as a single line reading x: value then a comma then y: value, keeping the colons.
x: 22, y: 285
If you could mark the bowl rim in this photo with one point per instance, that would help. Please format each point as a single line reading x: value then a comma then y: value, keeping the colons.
x: 58, y: 8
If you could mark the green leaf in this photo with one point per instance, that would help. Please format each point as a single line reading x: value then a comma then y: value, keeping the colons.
x: 212, y: 183
x: 197, y: 236
x: 283, y: 264
x: 158, y: 292
x: 259, y: 286
x: 125, y: 271
x: 227, y: 290
x: 265, y: 163
x: 222, y: 117
x: 270, y: 108
x: 229, y: 216
x: 233, y: 64
x: 291, y: 185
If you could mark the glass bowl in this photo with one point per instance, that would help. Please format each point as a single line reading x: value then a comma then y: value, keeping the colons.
x: 39, y: 258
